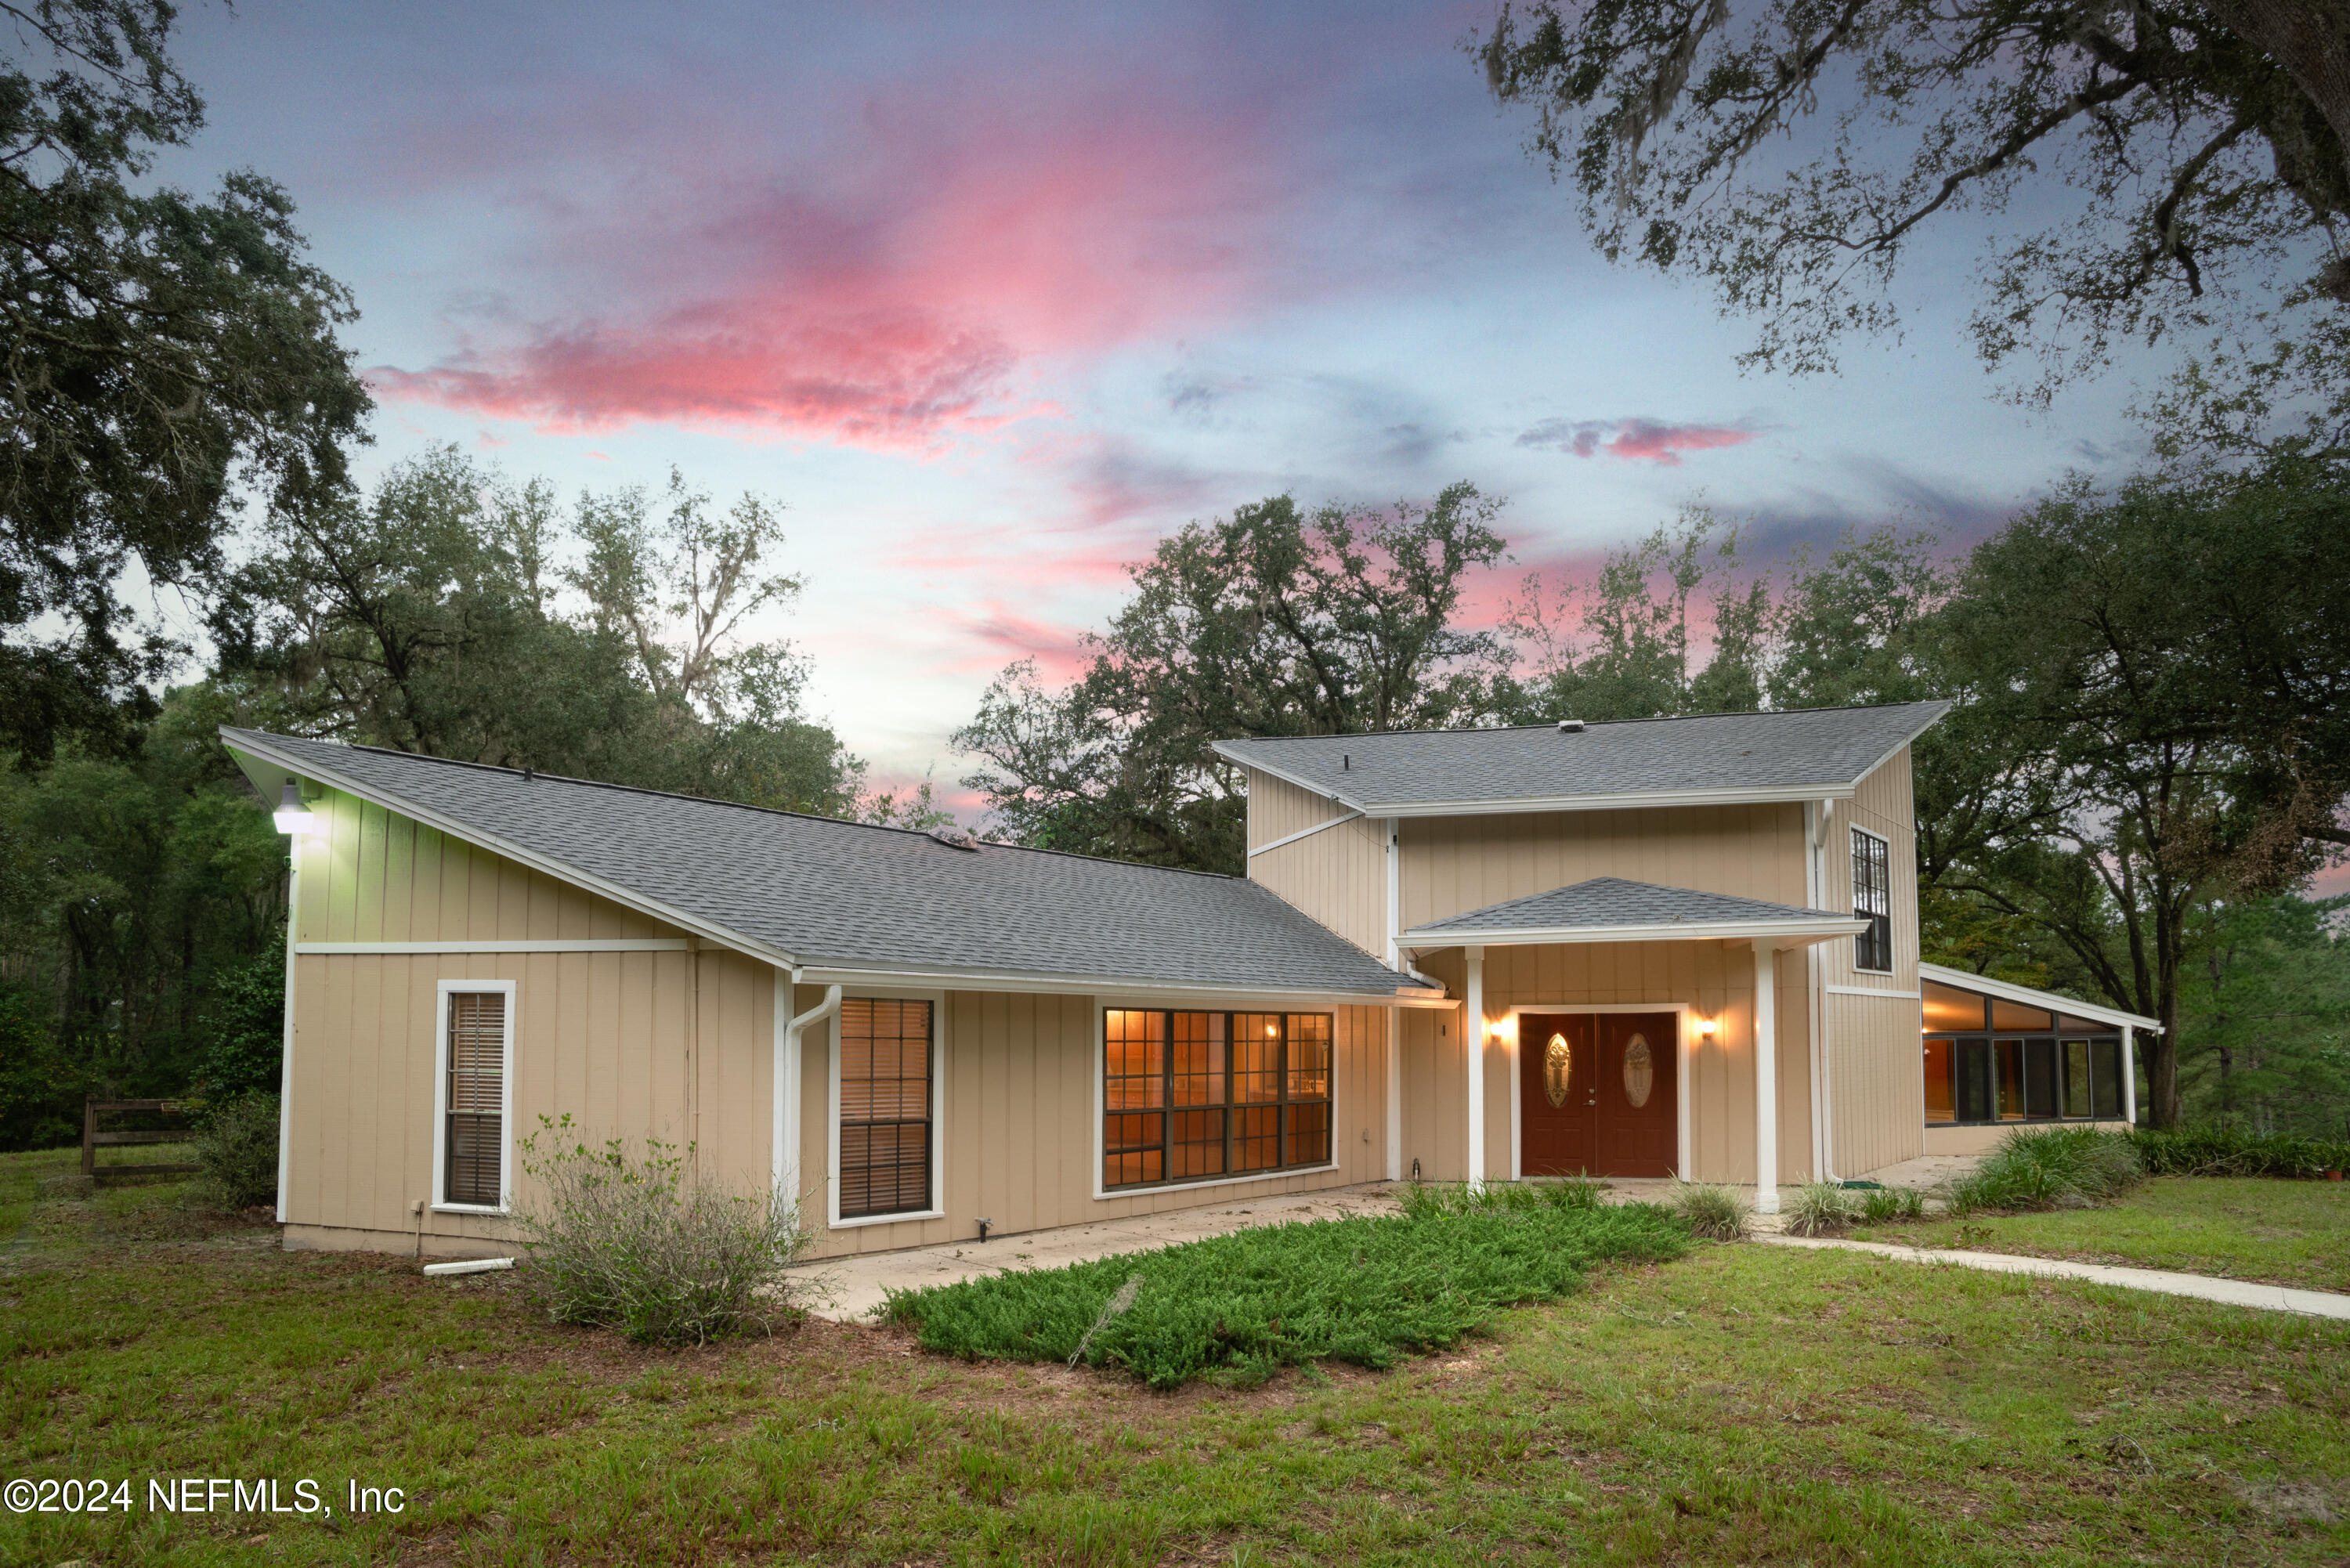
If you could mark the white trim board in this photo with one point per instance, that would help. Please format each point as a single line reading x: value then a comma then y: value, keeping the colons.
x: 1871, y: 990
x: 1685, y: 930
x: 443, y: 991
x: 1240, y: 997
x: 2007, y: 992
x: 581, y: 945
x: 1304, y: 832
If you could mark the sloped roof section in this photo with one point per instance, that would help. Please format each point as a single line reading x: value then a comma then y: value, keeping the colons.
x: 829, y: 894
x: 1805, y: 752
x: 1613, y: 907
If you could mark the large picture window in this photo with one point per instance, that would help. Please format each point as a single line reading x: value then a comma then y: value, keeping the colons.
x: 1872, y: 900
x: 885, y: 1107
x: 2053, y: 1067
x: 1193, y: 1096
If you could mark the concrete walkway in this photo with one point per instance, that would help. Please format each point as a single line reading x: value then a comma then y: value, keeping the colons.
x: 2202, y: 1287
x: 855, y: 1282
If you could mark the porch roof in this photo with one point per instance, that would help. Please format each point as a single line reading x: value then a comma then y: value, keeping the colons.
x: 1618, y: 909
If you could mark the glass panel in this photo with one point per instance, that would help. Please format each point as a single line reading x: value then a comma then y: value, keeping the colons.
x: 476, y: 1097
x: 1257, y: 1058
x: 1197, y: 1053
x: 1309, y: 1055
x: 1256, y: 1138
x: 2105, y: 1077
x: 1949, y: 1010
x: 2040, y: 1078
x: 2016, y: 1015
x: 1309, y: 1134
x: 2010, y: 1054
x: 1974, y: 1081
x: 1639, y: 1071
x: 2076, y: 1077
x: 1198, y: 1149
x: 1558, y: 1069
x: 1134, y: 1049
x: 885, y: 1106
x: 2072, y: 1025
x: 1941, y: 1102
x: 1132, y: 1149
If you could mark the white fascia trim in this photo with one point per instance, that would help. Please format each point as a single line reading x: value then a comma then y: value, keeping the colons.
x: 1091, y: 985
x: 1629, y: 800
x: 2006, y: 991
x: 1894, y: 750
x: 557, y: 869
x: 1871, y: 990
x: 1307, y: 785
x: 1303, y: 833
x: 1687, y: 930
x: 584, y: 945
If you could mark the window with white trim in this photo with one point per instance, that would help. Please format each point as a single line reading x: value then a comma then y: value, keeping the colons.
x: 1196, y: 1096
x: 473, y: 1099
x: 885, y: 1107
x: 1872, y: 900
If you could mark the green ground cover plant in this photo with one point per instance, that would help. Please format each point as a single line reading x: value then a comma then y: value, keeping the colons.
x: 2231, y: 1151
x: 2048, y: 1167
x: 1740, y: 1404
x: 1241, y: 1307
x: 2279, y: 1232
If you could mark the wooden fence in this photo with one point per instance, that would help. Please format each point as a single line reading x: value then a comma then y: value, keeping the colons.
x: 92, y: 1139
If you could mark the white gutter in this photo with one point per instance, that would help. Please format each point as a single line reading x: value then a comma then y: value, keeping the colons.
x: 1126, y: 987
x: 788, y: 1030
x: 1685, y: 930
x: 1619, y: 801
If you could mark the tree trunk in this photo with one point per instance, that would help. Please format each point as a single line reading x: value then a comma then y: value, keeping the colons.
x: 2309, y: 39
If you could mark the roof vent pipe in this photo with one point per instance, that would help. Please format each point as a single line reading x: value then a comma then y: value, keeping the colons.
x: 955, y: 838
x: 1346, y: 762
x: 1570, y: 726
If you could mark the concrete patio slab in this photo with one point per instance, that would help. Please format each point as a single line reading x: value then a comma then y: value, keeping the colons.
x: 856, y: 1283
x: 2202, y: 1287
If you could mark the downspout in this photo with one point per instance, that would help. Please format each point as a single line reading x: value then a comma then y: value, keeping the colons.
x: 789, y: 1031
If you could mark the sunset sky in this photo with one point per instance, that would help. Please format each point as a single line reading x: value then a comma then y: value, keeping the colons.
x: 993, y: 297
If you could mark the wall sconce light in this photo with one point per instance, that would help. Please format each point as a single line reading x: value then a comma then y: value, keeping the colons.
x: 291, y: 815
x: 1706, y: 1026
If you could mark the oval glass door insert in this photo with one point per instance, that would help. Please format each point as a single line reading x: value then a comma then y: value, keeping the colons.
x: 1639, y: 1071
x: 1558, y: 1067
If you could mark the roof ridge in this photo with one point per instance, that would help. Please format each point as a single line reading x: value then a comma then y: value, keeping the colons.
x: 711, y: 800
x: 1598, y: 723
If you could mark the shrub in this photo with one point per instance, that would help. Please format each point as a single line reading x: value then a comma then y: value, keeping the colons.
x: 2051, y: 1167
x: 1716, y: 1212
x: 236, y: 1149
x: 1240, y: 1307
x: 1887, y: 1204
x: 1819, y: 1207
x: 1424, y: 1200
x: 629, y: 1242
x: 2228, y: 1151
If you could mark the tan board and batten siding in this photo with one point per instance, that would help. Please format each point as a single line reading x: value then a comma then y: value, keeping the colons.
x: 1338, y: 876
x: 1878, y: 1070
x: 675, y: 1045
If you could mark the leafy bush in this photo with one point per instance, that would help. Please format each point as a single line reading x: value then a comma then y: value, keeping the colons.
x: 244, y: 1027
x: 1819, y: 1207
x: 1423, y: 1200
x: 628, y: 1241
x: 2050, y: 1168
x: 2228, y: 1151
x: 1718, y: 1214
x: 1240, y: 1307
x: 1887, y: 1204
x: 236, y: 1147
x: 41, y: 1088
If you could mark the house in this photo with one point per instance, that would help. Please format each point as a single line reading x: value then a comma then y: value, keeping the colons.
x: 1677, y: 946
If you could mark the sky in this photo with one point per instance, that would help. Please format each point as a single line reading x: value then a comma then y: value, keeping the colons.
x: 990, y: 298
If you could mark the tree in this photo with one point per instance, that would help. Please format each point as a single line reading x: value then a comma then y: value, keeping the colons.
x: 2148, y: 722
x: 2265, y: 1018
x: 1268, y: 622
x: 166, y: 358
x: 2193, y: 156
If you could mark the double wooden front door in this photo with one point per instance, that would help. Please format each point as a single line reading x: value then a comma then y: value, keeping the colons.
x: 1597, y: 1094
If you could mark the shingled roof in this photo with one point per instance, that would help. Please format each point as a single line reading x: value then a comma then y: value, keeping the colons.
x: 1797, y: 754
x: 1612, y: 909
x: 823, y: 893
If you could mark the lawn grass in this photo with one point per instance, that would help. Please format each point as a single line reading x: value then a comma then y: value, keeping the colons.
x: 2243, y: 1228
x: 1743, y: 1404
x: 1240, y: 1307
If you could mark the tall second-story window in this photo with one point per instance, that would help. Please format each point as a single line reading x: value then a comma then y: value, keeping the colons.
x: 1872, y: 900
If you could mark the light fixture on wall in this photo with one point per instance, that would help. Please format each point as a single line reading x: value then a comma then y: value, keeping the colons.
x: 1706, y: 1026
x: 291, y: 815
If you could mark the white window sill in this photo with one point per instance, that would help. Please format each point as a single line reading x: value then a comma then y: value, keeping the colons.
x: 887, y: 1218
x: 1103, y: 1195
x: 468, y: 1208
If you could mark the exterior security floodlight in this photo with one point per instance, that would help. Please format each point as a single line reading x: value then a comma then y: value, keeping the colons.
x: 291, y: 815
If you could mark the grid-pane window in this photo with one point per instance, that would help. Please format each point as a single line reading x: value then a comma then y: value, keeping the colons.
x: 1189, y: 1096
x: 885, y: 1107
x: 475, y: 1138
x: 1872, y: 900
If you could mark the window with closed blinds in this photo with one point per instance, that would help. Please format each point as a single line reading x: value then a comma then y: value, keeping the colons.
x: 1872, y: 899
x: 885, y: 1107
x: 475, y: 1138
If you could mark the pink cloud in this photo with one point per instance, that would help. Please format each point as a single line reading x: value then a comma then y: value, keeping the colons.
x: 885, y: 294
x: 1652, y: 441
x: 1061, y: 652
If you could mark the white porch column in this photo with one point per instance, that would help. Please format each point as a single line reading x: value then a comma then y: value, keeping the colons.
x: 2129, y: 1074
x: 1395, y: 1093
x: 1472, y: 1037
x: 1766, y: 1078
